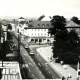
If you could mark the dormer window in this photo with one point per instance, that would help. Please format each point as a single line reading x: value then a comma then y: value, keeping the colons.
x: 47, y: 25
x: 43, y: 25
x: 38, y: 25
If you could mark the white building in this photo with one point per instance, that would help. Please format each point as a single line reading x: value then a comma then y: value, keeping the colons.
x: 38, y: 32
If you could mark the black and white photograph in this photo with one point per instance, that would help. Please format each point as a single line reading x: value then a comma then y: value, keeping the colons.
x: 40, y: 39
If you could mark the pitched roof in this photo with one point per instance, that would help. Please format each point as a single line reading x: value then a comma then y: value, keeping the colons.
x: 41, y: 24
x: 21, y: 18
x: 46, y: 18
x: 71, y: 24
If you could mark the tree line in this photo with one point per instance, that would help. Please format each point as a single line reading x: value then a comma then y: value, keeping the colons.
x: 66, y: 45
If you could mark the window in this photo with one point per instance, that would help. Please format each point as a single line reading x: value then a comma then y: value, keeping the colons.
x: 38, y: 34
x: 38, y: 25
x: 41, y: 34
x: 44, y: 29
x: 47, y: 25
x: 43, y: 25
x: 45, y: 34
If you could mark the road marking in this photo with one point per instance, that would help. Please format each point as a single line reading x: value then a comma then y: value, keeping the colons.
x: 33, y: 75
x: 39, y: 64
x: 24, y: 59
x: 49, y: 72
x: 43, y: 64
x: 46, y: 63
x: 29, y: 70
x: 39, y: 60
x: 46, y: 69
x: 30, y: 64
x: 40, y: 71
x: 37, y: 67
x: 53, y: 77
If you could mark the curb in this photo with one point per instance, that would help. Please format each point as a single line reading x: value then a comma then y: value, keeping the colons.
x: 56, y: 71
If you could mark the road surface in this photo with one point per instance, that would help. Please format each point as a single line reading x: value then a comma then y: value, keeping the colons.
x: 37, y: 66
x: 33, y: 71
x: 48, y: 72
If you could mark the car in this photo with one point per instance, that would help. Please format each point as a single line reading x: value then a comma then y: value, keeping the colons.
x: 66, y: 66
x: 26, y: 46
x: 31, y: 53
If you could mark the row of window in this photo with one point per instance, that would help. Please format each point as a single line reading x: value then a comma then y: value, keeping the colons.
x: 38, y: 34
x: 38, y: 29
x: 43, y: 25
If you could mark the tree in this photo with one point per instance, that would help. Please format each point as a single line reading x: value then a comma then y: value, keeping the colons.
x: 58, y: 23
x: 60, y: 38
x: 9, y: 26
x: 75, y: 19
x: 66, y: 46
x: 22, y: 22
x: 9, y: 36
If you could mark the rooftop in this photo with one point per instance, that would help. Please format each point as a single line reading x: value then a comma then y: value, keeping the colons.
x: 72, y: 24
x: 10, y: 70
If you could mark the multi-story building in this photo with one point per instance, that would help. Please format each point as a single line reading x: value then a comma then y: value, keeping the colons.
x: 38, y: 32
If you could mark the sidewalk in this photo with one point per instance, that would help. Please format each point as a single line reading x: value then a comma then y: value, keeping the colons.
x: 46, y: 53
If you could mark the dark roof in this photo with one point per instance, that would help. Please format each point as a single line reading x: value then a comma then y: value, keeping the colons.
x: 21, y: 18
x: 40, y: 24
x: 41, y: 17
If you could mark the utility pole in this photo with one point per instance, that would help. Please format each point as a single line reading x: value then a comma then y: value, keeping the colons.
x: 19, y: 42
x: 1, y: 42
x: 18, y: 45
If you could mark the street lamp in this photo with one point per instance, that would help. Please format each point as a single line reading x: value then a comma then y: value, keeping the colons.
x: 78, y: 69
x: 19, y: 42
x: 19, y: 45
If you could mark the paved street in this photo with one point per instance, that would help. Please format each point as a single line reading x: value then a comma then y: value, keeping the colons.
x: 33, y: 71
x: 38, y: 64
x: 45, y: 51
x: 44, y: 67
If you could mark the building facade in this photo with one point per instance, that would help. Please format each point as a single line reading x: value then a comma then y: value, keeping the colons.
x: 38, y: 32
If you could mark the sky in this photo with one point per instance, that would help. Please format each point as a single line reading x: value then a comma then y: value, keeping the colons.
x: 36, y: 8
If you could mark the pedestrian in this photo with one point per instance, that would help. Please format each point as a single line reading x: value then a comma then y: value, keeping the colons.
x: 63, y: 78
x: 69, y: 75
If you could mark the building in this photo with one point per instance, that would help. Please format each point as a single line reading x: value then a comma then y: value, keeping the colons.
x: 38, y: 32
x: 70, y: 25
x: 10, y: 71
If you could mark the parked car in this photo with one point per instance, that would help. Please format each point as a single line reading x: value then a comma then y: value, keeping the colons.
x: 31, y: 53
x: 66, y: 66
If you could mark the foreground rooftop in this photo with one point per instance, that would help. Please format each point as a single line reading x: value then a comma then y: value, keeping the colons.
x: 10, y: 70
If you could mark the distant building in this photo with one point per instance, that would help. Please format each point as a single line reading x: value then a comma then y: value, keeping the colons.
x: 70, y: 25
x: 38, y: 32
x: 21, y: 19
